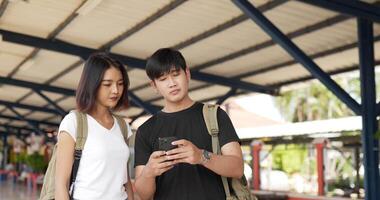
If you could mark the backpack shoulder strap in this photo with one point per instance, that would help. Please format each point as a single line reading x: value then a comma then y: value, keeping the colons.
x: 210, y: 117
x: 82, y: 132
x: 123, y: 126
x: 211, y: 120
x: 82, y: 129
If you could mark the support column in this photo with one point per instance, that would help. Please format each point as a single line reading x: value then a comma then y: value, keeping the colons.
x: 320, y: 148
x: 256, y: 147
x: 368, y: 110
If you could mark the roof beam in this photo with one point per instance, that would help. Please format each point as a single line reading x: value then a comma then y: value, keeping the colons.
x: 64, y: 91
x: 226, y: 96
x: 297, y: 53
x: 151, y: 109
x: 61, y: 111
x: 29, y: 107
x: 29, y: 120
x: 3, y: 7
x: 35, y: 127
x: 64, y: 47
x: 355, y: 8
x: 37, y: 86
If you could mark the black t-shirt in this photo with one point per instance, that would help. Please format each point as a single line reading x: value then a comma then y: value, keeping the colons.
x: 184, y: 181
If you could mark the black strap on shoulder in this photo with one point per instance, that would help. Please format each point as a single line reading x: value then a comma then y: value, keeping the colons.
x: 79, y: 145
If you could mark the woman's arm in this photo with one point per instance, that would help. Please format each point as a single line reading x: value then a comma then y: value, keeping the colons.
x: 64, y: 163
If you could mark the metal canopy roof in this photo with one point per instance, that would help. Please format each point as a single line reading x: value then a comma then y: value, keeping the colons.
x: 45, y: 42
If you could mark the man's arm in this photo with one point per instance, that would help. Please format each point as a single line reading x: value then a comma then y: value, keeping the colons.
x: 229, y: 164
x: 146, y: 174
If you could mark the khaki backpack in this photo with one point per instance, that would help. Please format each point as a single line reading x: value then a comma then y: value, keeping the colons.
x: 240, y: 190
x: 48, y: 187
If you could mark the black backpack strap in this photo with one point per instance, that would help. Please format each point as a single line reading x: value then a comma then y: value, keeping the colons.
x: 82, y: 132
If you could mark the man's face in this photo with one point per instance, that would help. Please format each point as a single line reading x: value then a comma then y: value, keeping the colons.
x: 173, y: 86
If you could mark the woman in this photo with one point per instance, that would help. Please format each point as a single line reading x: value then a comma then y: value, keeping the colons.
x: 102, y: 171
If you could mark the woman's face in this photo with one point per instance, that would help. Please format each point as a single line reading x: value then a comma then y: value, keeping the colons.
x: 110, y: 89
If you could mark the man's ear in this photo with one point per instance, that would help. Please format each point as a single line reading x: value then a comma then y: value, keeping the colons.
x: 188, y: 75
x: 153, y: 85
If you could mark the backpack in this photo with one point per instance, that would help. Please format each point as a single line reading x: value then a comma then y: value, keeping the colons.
x: 48, y: 187
x: 240, y: 190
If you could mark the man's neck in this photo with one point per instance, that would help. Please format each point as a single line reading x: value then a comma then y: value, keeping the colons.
x: 178, y: 106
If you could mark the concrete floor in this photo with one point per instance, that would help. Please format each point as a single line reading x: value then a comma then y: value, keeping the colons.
x: 17, y: 191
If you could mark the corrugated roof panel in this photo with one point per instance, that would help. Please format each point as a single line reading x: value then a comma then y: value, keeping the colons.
x: 147, y: 93
x: 212, y: 91
x: 68, y: 103
x: 327, y: 63
x: 108, y: 20
x: 250, y: 62
x: 71, y: 79
x: 38, y: 18
x: 52, y: 95
x: 137, y: 77
x: 231, y: 40
x: 12, y: 93
x: 186, y: 21
x: 287, y: 17
x: 18, y: 110
x: 8, y: 63
x: 3, y: 121
x: 37, y: 100
x: 18, y: 123
x: 314, y: 42
x: 44, y: 65
x: 132, y: 111
x: 39, y: 115
x: 15, y: 49
x: 55, y: 119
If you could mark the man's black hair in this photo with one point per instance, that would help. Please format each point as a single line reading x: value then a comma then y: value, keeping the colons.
x: 163, y: 61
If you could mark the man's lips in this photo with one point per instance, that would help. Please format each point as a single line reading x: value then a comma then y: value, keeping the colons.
x: 174, y: 92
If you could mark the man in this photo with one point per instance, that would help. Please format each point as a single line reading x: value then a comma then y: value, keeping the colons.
x: 190, y: 171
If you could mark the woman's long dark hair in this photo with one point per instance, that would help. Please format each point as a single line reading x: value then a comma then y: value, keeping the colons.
x: 92, y: 75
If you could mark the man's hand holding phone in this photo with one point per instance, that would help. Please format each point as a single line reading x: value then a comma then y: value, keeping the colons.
x: 158, y: 162
x: 186, y: 152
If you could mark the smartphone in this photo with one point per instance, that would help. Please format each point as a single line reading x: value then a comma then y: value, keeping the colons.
x: 165, y: 143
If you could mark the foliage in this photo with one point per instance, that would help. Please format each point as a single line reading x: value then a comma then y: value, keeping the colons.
x: 36, y: 162
x: 316, y: 102
x: 289, y: 158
